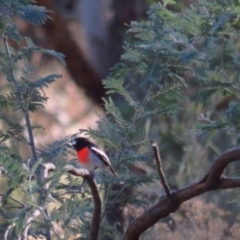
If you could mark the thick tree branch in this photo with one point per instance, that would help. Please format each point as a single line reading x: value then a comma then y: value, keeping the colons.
x: 221, y: 163
x: 233, y: 182
x: 213, y: 180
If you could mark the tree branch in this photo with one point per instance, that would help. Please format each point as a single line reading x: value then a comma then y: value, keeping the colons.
x: 213, y: 180
x: 160, y: 170
x: 14, y: 200
x: 221, y: 163
x: 227, y: 183
x: 23, y: 108
x: 96, y: 218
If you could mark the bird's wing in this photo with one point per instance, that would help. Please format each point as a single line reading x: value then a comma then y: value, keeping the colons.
x: 101, y: 155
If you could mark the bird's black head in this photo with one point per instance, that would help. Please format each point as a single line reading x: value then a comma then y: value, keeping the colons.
x: 80, y: 142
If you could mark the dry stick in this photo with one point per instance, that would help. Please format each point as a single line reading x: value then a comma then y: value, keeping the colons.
x: 160, y: 170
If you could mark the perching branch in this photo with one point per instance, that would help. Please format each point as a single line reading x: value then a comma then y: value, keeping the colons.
x: 213, y: 180
x: 96, y: 218
x: 160, y: 170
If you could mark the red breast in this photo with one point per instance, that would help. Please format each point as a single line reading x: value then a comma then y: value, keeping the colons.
x: 83, y: 155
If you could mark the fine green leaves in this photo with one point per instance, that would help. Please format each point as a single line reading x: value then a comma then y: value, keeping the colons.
x: 36, y: 15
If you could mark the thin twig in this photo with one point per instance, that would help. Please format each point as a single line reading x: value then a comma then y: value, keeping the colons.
x: 124, y: 143
x: 70, y: 191
x: 160, y: 170
x: 138, y: 112
x: 135, y: 119
x: 24, y: 110
x: 20, y: 203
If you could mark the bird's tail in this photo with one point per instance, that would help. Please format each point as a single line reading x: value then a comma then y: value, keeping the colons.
x: 115, y: 174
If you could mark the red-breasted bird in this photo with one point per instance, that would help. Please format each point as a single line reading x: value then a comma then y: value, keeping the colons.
x: 90, y: 156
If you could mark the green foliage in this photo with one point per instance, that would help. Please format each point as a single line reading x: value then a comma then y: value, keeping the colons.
x: 58, y: 148
x: 33, y: 14
x: 26, y: 52
x: 21, y: 95
x: 167, y: 54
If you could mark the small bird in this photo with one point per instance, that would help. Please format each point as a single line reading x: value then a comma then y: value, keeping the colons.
x: 90, y: 156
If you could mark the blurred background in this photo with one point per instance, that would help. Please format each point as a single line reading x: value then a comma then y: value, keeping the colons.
x: 90, y: 33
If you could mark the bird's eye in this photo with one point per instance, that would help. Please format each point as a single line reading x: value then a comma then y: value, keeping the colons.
x: 74, y: 142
